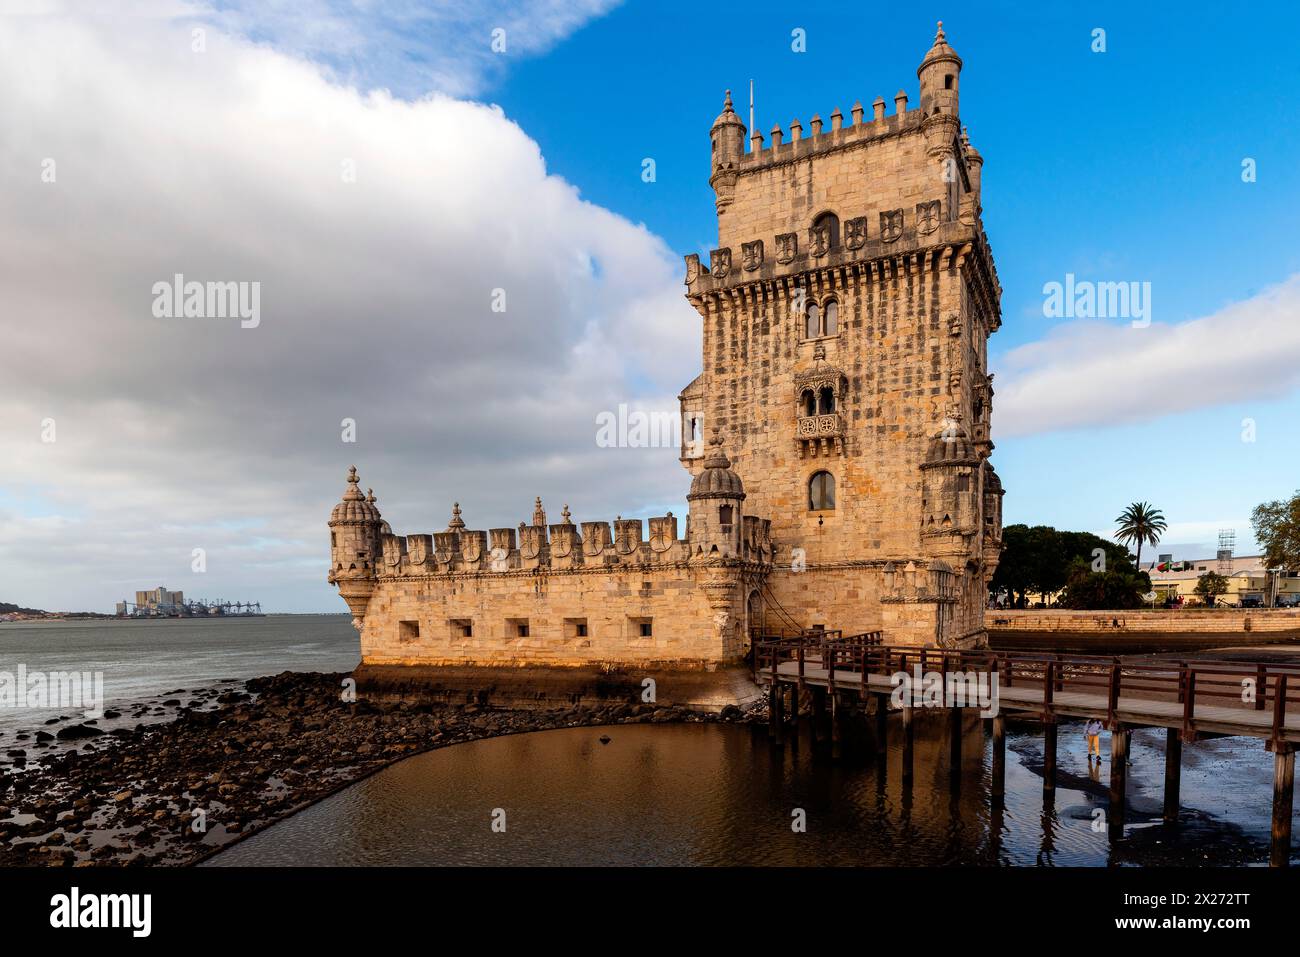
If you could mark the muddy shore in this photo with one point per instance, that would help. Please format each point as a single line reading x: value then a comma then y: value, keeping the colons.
x: 223, y: 762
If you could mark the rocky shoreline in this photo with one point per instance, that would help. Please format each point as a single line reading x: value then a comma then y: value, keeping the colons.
x: 234, y: 759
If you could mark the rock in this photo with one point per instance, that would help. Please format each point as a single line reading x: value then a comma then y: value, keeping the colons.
x: 121, y: 796
x: 76, y: 731
x: 44, y: 736
x: 605, y: 739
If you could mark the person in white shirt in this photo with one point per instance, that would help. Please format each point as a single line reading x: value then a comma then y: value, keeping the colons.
x: 1092, y: 731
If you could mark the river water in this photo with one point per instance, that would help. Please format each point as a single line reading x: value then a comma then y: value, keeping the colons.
x: 140, y: 659
x: 725, y: 795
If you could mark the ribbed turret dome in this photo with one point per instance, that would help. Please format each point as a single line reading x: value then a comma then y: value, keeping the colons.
x: 940, y: 51
x: 355, y: 507
x: 950, y: 447
x: 717, y: 480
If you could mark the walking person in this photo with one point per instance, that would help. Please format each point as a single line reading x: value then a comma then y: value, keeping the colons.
x: 1092, y: 731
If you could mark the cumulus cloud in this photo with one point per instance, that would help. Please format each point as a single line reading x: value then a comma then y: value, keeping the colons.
x: 380, y: 230
x: 1095, y: 374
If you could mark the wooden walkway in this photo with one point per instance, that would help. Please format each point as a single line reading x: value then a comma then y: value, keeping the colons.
x: 1190, y: 698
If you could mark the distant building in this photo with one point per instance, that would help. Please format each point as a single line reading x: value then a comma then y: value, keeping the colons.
x: 1248, y: 581
x: 158, y: 601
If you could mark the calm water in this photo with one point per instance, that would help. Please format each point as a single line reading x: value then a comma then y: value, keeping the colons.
x: 718, y: 794
x: 140, y: 659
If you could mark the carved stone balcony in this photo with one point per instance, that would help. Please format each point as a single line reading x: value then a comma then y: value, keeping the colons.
x: 820, y: 435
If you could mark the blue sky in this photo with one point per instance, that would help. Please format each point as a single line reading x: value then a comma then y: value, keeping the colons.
x: 522, y: 170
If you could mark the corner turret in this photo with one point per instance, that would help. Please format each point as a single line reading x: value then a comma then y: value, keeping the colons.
x: 939, y: 74
x: 715, y: 497
x: 728, y: 136
x: 355, y: 526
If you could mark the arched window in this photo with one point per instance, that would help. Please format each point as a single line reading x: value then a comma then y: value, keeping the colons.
x: 821, y: 492
x: 831, y: 223
x: 814, y: 325
x: 724, y: 517
x: 831, y: 318
x: 826, y: 401
x: 809, y: 402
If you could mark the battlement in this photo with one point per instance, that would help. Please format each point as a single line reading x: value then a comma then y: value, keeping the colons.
x: 566, y: 545
x: 839, y: 136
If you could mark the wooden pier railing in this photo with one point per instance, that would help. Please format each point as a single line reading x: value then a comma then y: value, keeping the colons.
x: 1191, y: 698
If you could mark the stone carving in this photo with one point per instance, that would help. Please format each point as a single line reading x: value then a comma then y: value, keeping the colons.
x: 419, y: 548
x: 628, y: 536
x: 720, y: 263
x: 927, y: 216
x: 787, y: 247
x: 855, y: 232
x: 663, y: 532
x: 692, y: 268
x: 445, y: 546
x: 563, y: 540
x: 752, y: 255
x: 473, y: 545
x: 891, y: 225
x: 819, y: 240
x: 595, y: 538
x: 531, y: 540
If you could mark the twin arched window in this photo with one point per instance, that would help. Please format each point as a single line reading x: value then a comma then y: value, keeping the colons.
x: 821, y: 492
x: 823, y: 320
x: 818, y: 403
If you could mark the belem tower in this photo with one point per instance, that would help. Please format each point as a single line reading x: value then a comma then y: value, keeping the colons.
x: 837, y: 439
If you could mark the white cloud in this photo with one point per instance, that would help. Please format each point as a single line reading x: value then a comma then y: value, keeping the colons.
x: 1088, y: 374
x: 375, y: 300
x: 411, y: 46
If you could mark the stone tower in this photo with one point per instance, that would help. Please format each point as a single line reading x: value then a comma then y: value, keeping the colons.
x: 846, y: 313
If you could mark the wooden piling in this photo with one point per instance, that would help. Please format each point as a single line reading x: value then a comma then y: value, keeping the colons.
x: 882, y: 725
x: 819, y: 714
x: 776, y: 700
x: 1119, y: 741
x: 1283, y: 791
x: 998, y: 790
x: 837, y: 717
x: 908, y: 741
x: 954, y: 746
x: 1049, y: 756
x: 1173, y: 773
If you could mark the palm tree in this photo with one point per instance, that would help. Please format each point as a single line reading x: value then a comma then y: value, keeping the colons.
x: 1138, y: 525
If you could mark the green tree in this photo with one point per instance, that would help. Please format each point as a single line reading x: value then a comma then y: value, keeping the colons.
x: 1117, y: 586
x: 1048, y: 561
x: 1210, y: 585
x: 1140, y: 524
x: 1012, y: 573
x: 1277, y: 528
x: 1040, y: 559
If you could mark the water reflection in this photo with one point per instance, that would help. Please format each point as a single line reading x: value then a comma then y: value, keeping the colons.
x: 713, y: 794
